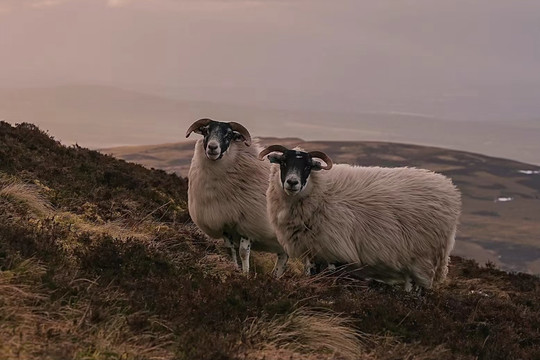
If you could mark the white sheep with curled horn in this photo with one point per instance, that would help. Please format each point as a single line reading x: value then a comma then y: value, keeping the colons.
x: 395, y: 224
x: 227, y: 191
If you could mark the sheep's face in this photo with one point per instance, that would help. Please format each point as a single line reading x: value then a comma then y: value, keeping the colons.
x: 217, y: 139
x: 295, y: 167
x: 218, y: 136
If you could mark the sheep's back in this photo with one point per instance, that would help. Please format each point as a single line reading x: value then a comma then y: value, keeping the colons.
x: 413, y: 210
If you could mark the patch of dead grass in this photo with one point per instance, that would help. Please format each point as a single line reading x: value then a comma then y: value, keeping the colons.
x: 116, y: 229
x: 27, y: 194
x: 307, y: 332
x: 34, y: 323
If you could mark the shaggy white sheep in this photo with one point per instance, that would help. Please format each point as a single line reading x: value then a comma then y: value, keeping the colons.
x: 227, y: 191
x: 395, y: 224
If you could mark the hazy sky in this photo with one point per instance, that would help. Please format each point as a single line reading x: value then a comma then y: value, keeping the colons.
x: 458, y: 59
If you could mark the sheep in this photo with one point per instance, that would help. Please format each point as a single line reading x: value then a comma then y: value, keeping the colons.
x: 395, y: 225
x: 227, y: 191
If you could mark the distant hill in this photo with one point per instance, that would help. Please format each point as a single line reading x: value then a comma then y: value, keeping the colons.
x: 100, y: 116
x: 99, y: 260
x: 506, y: 233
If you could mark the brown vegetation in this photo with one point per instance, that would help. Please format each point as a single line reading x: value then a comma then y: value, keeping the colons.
x: 115, y: 270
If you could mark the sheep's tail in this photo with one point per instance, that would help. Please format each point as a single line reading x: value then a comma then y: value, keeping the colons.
x: 442, y: 270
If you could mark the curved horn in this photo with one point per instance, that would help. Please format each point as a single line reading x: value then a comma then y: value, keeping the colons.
x: 242, y: 130
x: 198, y: 124
x: 270, y: 149
x: 323, y: 157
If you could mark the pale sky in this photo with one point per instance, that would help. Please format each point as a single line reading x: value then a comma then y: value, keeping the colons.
x: 453, y: 59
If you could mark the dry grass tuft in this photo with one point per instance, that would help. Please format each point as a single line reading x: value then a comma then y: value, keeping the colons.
x: 114, y: 336
x: 32, y: 198
x: 30, y: 315
x: 390, y: 348
x: 263, y: 263
x: 15, y: 284
x: 321, y: 335
x: 20, y: 296
x: 307, y: 332
x: 27, y: 194
x: 116, y: 229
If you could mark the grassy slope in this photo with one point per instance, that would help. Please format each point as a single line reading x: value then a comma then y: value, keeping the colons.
x: 114, y: 270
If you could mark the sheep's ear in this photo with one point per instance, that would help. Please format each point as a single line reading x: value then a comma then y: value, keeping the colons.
x: 323, y: 157
x: 239, y: 137
x: 315, y: 165
x: 274, y: 158
x: 200, y: 127
x: 203, y: 130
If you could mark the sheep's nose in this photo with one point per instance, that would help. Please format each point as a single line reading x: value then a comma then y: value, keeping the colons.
x: 292, y: 182
x: 212, y: 147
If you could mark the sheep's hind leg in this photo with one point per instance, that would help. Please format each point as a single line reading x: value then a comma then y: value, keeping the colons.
x: 244, y: 250
x: 229, y: 244
x: 331, y: 267
x: 281, y: 262
x: 423, y: 274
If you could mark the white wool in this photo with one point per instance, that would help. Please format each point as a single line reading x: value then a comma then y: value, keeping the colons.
x: 228, y: 195
x: 398, y: 223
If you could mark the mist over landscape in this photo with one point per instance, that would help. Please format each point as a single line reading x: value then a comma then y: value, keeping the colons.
x: 462, y: 75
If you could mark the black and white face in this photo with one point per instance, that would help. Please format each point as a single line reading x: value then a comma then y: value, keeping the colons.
x: 217, y: 138
x: 295, y: 167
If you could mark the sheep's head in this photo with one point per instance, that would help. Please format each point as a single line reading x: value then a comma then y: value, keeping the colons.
x: 295, y: 166
x: 218, y: 136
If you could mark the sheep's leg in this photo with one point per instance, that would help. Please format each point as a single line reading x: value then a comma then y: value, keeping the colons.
x: 310, y: 267
x: 408, y: 286
x: 229, y: 244
x: 281, y: 262
x: 331, y: 267
x: 423, y: 273
x: 411, y: 287
x: 244, y: 250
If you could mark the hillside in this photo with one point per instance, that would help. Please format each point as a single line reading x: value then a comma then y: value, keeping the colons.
x: 98, y: 260
x: 506, y: 233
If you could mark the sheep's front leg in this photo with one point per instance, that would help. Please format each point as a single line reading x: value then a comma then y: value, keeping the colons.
x: 281, y: 263
x: 411, y: 287
x: 229, y: 244
x: 408, y: 285
x: 244, y: 250
x: 310, y: 267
